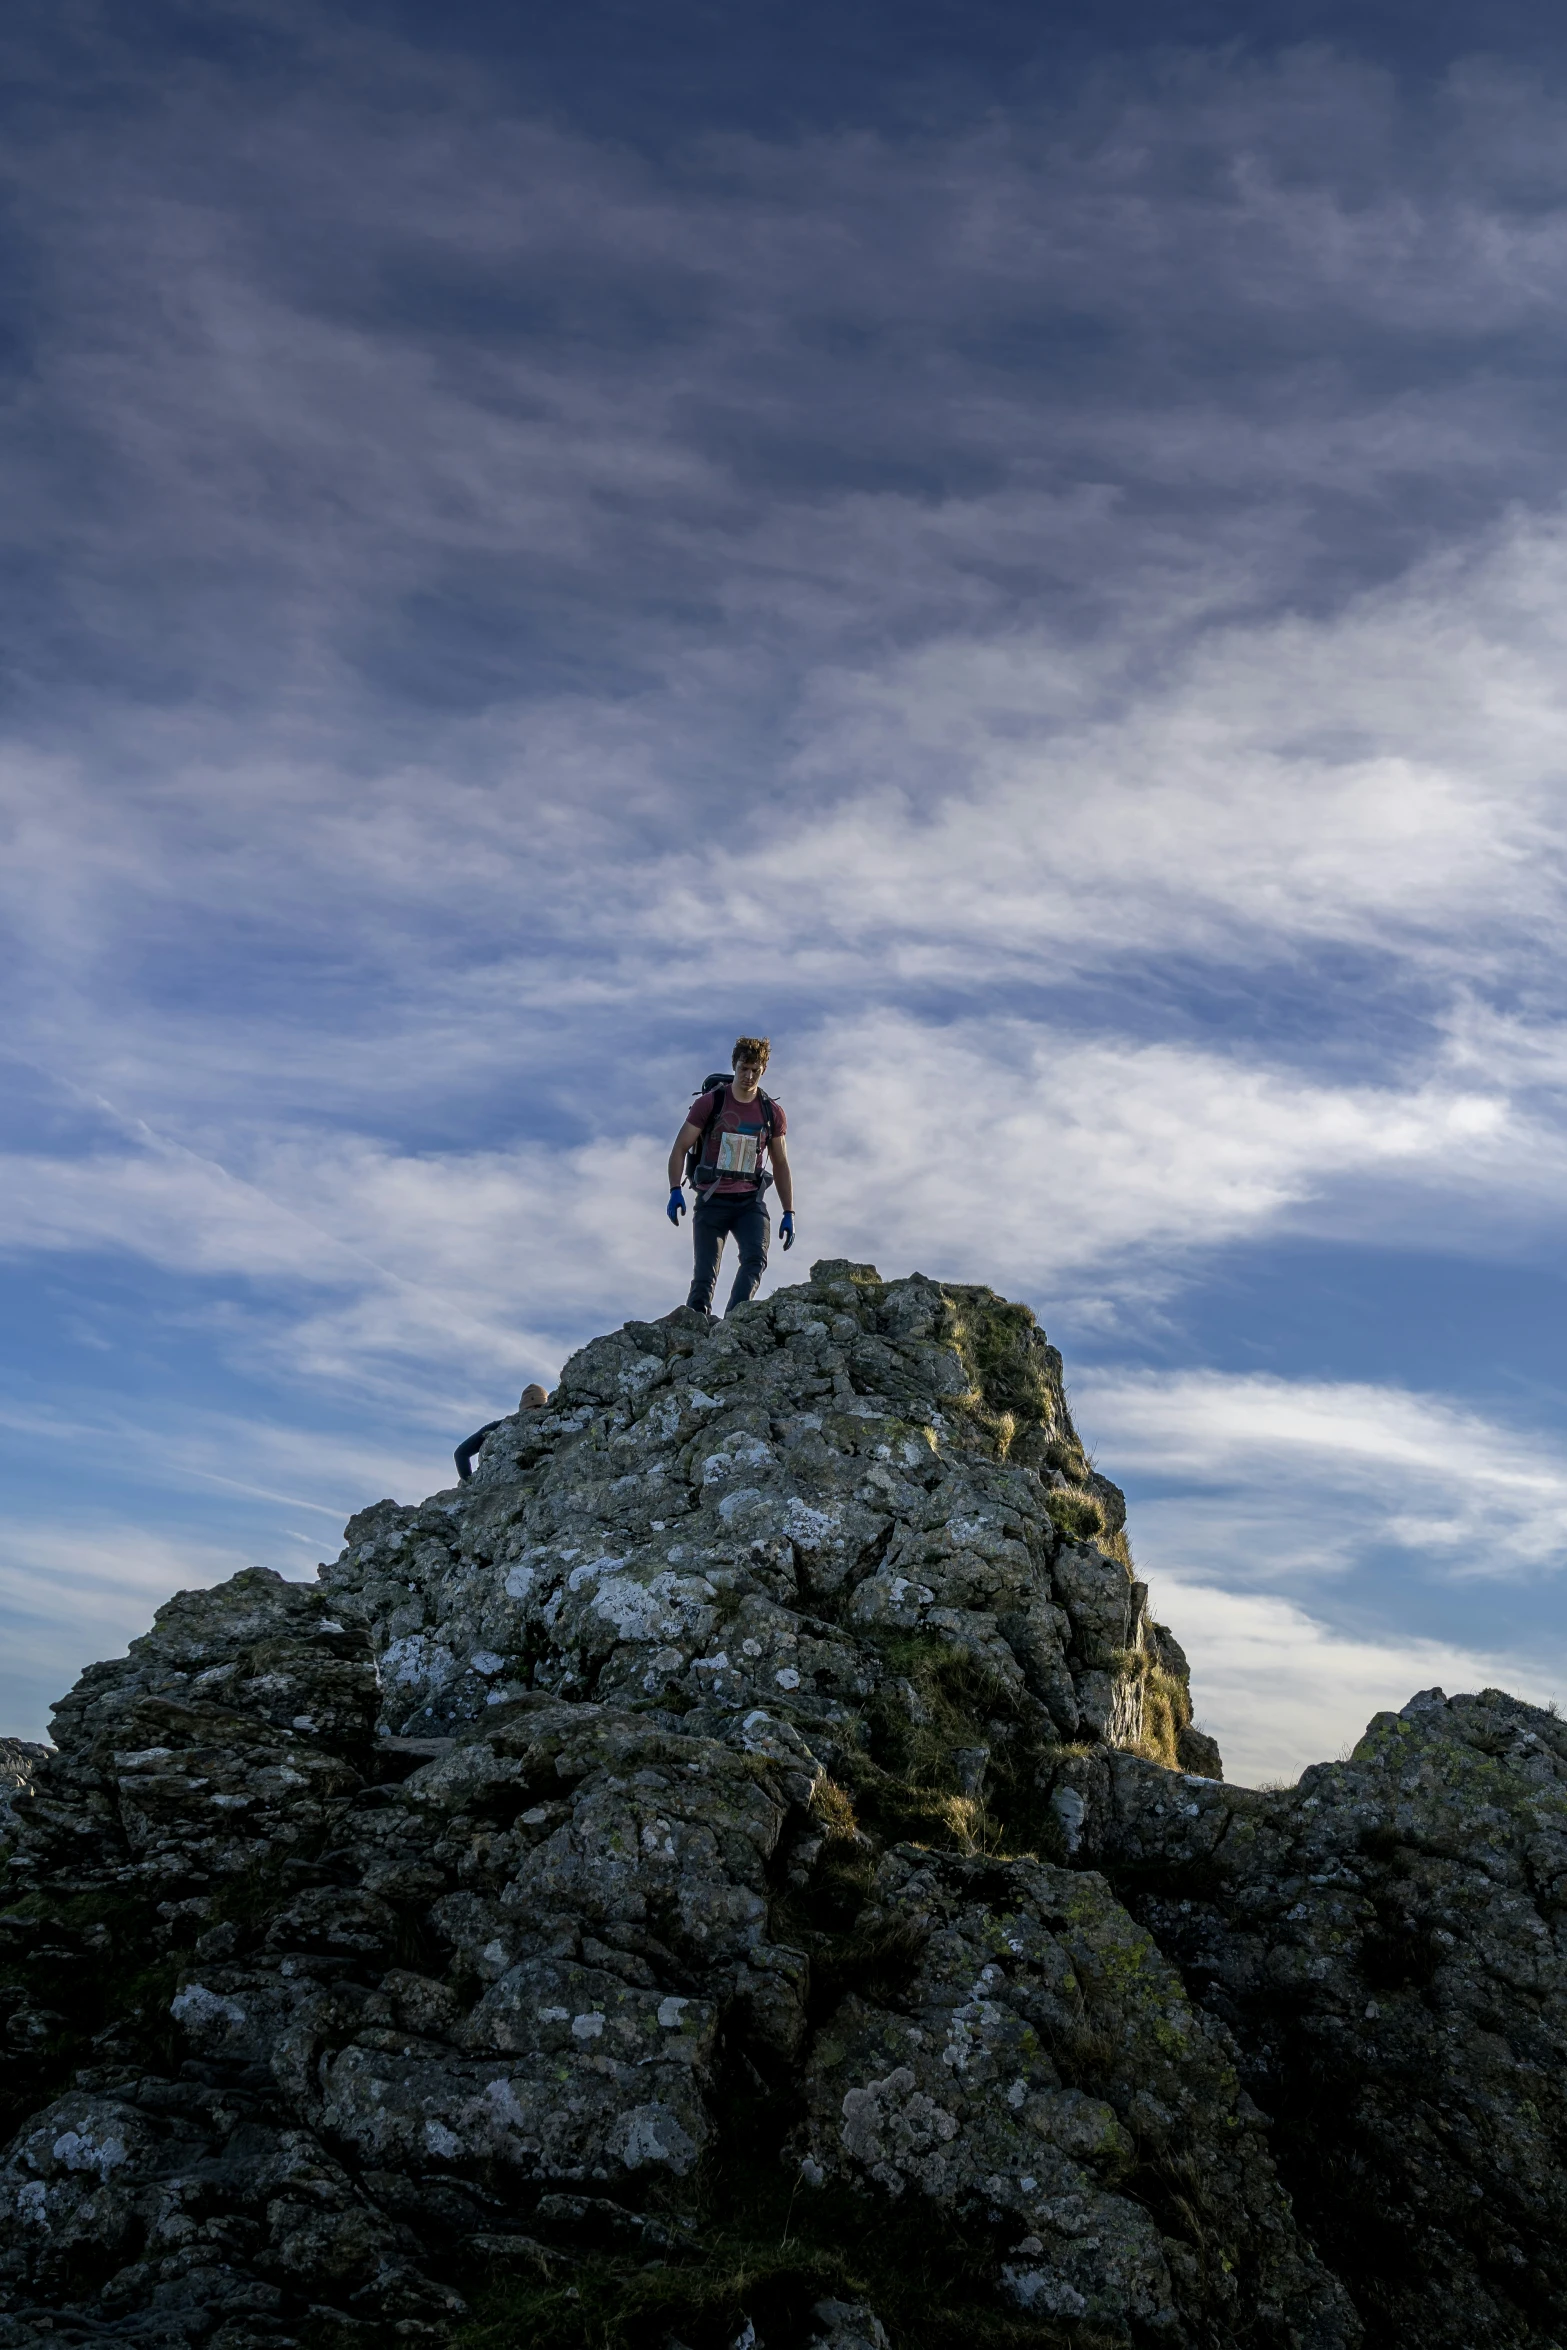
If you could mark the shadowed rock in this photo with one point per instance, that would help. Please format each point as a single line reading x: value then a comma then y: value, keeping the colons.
x: 1387, y: 1943
x: 649, y: 1892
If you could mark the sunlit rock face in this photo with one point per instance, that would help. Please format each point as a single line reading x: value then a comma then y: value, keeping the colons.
x: 759, y: 1516
x: 745, y: 1861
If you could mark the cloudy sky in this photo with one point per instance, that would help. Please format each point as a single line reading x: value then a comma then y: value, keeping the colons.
x: 1022, y: 553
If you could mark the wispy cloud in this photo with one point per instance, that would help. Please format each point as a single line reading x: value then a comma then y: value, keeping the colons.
x: 318, y: 1473
x: 1282, y: 1476
x: 1056, y: 615
x: 1387, y: 775
x: 75, y: 1592
x: 1097, y: 1161
x: 1282, y: 1689
x: 1084, y: 1154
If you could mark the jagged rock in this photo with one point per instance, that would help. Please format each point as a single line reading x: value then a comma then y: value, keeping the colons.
x: 741, y: 1516
x: 655, y: 1880
x: 1387, y: 1943
x: 1042, y: 2071
x: 847, y: 2325
x: 417, y: 1922
x: 20, y: 1759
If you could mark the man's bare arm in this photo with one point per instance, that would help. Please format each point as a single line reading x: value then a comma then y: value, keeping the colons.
x: 778, y: 1151
x: 677, y: 1158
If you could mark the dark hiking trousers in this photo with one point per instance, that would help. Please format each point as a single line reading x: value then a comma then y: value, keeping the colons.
x: 712, y: 1220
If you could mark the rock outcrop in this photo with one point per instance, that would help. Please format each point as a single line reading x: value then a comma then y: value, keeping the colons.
x: 1387, y: 1945
x: 743, y: 1870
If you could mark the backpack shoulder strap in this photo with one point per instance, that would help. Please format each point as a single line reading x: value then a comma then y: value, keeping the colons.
x: 696, y: 1156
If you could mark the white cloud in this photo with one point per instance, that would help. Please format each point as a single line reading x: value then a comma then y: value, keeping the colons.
x: 73, y: 1593
x: 1386, y: 778
x: 1523, y: 1053
x: 995, y: 1148
x: 829, y: 666
x: 398, y: 1274
x: 319, y: 1475
x: 1038, y: 1154
x: 1390, y: 775
x: 1072, y: 743
x: 1305, y: 1477
x: 1280, y: 1689
x: 171, y: 1206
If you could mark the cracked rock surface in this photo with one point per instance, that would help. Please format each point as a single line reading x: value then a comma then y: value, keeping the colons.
x: 1387, y: 1945
x: 743, y: 1871
x: 1041, y: 2065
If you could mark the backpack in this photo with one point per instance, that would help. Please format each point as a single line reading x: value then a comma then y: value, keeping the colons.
x: 701, y: 1172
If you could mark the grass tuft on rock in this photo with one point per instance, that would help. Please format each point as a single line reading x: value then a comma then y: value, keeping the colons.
x: 768, y: 2248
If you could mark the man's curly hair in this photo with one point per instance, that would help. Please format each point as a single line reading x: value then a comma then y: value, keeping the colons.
x: 750, y: 1048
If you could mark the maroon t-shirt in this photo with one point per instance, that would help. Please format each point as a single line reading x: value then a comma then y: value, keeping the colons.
x: 738, y: 1142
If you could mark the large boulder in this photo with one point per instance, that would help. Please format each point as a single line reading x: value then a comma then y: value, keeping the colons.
x: 1386, y: 1943
x: 1040, y: 2071
x: 767, y: 1513
x: 744, y: 1870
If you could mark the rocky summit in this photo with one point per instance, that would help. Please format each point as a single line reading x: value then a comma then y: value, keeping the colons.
x: 741, y: 1874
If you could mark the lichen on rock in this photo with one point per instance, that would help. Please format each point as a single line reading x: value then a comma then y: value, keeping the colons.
x: 738, y: 1870
x: 1042, y: 2070
x: 749, y: 1516
x: 1387, y: 1945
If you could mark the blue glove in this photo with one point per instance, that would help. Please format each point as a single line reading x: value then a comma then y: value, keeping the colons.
x: 677, y: 1206
x: 786, y: 1228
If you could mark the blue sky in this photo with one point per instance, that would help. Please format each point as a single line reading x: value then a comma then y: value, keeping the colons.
x: 1020, y: 553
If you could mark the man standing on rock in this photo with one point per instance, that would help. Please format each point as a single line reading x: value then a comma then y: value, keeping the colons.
x: 738, y: 1127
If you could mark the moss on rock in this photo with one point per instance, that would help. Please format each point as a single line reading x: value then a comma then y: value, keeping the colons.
x: 513, y: 1937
